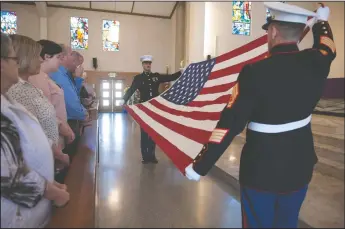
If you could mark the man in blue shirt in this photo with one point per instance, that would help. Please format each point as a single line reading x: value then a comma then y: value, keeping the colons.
x: 71, y: 87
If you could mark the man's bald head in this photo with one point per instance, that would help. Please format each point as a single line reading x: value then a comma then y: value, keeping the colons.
x: 70, y: 59
x: 78, y: 57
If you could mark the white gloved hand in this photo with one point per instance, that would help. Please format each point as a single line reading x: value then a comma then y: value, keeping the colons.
x: 310, y: 23
x: 323, y: 13
x: 191, y: 174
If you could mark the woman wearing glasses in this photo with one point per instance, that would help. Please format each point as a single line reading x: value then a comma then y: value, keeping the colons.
x: 27, y: 169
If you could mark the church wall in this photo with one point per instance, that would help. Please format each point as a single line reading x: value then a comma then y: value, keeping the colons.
x: 28, y: 21
x: 219, y: 23
x: 138, y: 36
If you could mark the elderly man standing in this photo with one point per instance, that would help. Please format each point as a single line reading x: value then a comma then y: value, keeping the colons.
x: 278, y: 158
x: 70, y: 63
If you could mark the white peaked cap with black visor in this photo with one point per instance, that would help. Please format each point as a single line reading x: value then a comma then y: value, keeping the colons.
x: 146, y: 58
x: 283, y: 12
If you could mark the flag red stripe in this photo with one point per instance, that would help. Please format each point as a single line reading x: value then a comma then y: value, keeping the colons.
x: 234, y: 68
x: 180, y: 159
x: 217, y: 89
x: 243, y: 49
x: 198, y: 135
x: 196, y: 115
x: 220, y: 100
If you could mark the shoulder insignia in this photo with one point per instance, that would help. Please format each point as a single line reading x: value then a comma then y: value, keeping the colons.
x: 234, y: 95
x: 323, y: 52
x: 328, y: 42
x: 218, y: 135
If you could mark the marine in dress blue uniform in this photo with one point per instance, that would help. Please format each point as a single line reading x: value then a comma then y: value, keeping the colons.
x: 275, y: 97
x: 148, y: 84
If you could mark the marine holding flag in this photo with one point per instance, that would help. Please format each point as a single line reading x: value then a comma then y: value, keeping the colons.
x: 276, y: 96
x: 148, y: 83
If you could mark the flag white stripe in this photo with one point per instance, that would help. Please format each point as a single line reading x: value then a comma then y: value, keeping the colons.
x: 220, y: 81
x: 211, y: 97
x: 207, y: 125
x: 241, y: 58
x: 186, y: 145
x: 215, y: 108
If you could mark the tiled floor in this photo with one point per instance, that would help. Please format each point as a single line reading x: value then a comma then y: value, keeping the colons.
x: 134, y: 195
x: 324, y: 205
x: 331, y: 106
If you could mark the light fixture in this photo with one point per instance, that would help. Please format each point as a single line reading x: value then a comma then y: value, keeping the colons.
x: 112, y: 74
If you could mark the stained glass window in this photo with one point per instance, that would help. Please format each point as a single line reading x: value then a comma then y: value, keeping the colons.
x: 241, y: 18
x: 8, y: 22
x: 110, y: 35
x: 79, y: 33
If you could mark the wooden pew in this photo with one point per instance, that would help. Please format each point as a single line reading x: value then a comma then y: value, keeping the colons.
x: 81, y: 182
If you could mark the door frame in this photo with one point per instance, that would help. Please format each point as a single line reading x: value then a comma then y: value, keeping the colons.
x: 112, y: 100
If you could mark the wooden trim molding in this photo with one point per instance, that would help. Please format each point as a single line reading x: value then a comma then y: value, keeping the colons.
x: 173, y: 10
x: 132, y: 7
x: 108, y: 11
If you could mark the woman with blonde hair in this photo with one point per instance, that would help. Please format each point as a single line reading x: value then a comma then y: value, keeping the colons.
x: 29, y: 60
x: 27, y: 169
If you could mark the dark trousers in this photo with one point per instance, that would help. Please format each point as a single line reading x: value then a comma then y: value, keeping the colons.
x: 70, y: 149
x: 271, y: 210
x: 148, y: 146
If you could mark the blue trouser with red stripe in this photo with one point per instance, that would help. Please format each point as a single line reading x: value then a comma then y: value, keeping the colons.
x: 267, y: 210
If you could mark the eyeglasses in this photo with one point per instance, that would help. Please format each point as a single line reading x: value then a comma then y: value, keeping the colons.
x: 11, y: 58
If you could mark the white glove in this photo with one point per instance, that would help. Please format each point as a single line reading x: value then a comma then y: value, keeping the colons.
x: 323, y: 13
x: 310, y: 23
x: 191, y: 174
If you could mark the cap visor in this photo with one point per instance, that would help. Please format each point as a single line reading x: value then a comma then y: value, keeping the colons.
x: 265, y: 26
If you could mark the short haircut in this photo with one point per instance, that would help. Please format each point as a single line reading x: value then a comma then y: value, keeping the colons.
x: 64, y: 48
x: 6, y: 44
x: 27, y: 51
x: 289, y: 30
x: 78, y: 57
x: 49, y: 47
x: 76, y: 54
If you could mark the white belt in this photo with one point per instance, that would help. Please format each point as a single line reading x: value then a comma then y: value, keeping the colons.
x: 267, y: 128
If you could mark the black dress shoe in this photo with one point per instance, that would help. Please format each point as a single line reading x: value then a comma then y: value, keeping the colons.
x: 154, y: 161
x: 145, y: 161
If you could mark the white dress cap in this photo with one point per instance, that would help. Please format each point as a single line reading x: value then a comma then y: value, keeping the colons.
x: 287, y: 13
x: 146, y: 58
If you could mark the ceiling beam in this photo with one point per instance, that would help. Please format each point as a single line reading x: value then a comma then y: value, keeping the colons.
x: 108, y: 11
x: 173, y: 10
x: 22, y: 3
x: 132, y: 7
x: 41, y: 8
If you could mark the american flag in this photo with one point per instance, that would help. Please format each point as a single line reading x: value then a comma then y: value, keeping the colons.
x: 181, y: 120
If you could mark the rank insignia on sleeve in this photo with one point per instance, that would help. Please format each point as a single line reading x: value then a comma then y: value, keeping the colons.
x: 328, y: 42
x: 218, y: 135
x: 323, y: 52
x: 233, y: 96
